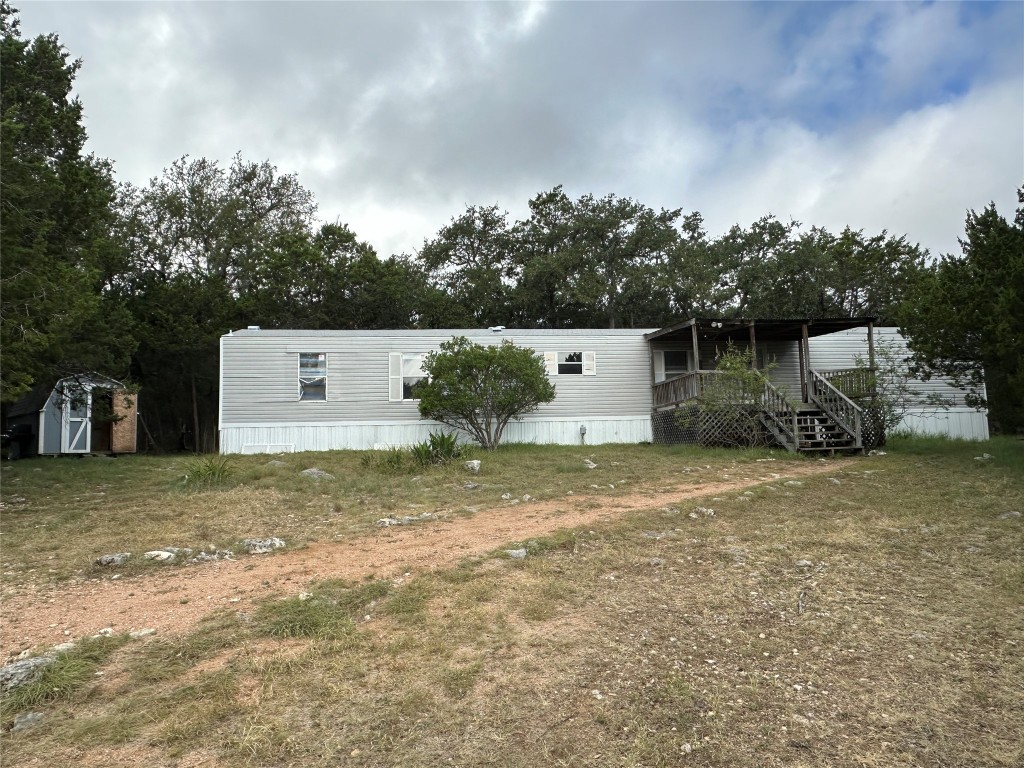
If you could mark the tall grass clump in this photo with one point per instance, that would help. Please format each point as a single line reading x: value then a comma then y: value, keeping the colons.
x: 60, y: 680
x: 208, y: 471
x: 439, y: 448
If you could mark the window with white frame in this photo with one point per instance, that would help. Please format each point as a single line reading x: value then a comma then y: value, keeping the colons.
x: 312, y: 376
x: 405, y: 371
x: 570, y: 363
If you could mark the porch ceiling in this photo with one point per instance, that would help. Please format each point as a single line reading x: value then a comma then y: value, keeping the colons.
x: 738, y: 330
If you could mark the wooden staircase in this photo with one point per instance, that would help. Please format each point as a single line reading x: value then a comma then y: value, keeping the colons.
x: 818, y: 432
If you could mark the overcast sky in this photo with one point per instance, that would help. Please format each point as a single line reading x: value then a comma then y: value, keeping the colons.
x: 896, y: 116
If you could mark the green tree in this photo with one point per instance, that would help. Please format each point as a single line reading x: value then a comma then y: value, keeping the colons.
x: 472, y: 261
x: 965, y: 318
x: 479, y: 389
x: 595, y: 261
x: 55, y: 209
x: 207, y: 249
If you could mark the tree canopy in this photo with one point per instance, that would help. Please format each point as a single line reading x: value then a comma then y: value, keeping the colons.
x: 965, y: 318
x: 55, y: 208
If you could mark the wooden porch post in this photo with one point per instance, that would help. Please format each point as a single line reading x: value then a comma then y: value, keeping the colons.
x: 696, y: 349
x: 871, y: 344
x: 805, y: 361
x: 753, y: 347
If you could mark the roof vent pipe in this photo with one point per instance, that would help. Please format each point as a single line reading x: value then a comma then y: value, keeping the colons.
x: 496, y: 328
x: 253, y: 328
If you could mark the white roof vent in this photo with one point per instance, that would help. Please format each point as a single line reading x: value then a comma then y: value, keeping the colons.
x: 253, y: 328
x: 496, y: 328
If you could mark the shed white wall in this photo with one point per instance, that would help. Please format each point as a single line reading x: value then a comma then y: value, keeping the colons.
x: 260, y: 410
x: 841, y: 350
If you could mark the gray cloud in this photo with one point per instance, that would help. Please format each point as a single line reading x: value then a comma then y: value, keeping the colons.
x: 876, y: 115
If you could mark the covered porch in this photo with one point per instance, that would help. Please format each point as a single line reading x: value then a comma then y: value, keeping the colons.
x: 798, y: 403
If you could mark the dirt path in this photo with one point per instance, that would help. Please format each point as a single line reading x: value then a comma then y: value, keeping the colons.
x: 175, y: 600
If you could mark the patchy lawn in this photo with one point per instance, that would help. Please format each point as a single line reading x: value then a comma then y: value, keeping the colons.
x: 870, y: 615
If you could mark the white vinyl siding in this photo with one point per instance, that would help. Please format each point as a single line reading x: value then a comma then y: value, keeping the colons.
x: 258, y: 373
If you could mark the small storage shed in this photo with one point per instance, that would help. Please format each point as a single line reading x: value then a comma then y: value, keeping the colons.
x: 77, y: 415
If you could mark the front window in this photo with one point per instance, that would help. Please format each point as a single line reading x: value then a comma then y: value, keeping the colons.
x: 570, y: 362
x: 412, y: 374
x: 312, y: 376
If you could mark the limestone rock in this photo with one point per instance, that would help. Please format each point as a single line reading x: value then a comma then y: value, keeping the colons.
x: 22, y: 672
x: 516, y: 554
x: 119, y: 558
x: 138, y: 634
x: 1009, y: 515
x: 473, y: 466
x: 159, y: 555
x: 262, y: 546
x: 27, y: 720
x: 316, y: 474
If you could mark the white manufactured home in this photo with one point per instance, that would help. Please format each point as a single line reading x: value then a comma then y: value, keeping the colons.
x: 295, y: 390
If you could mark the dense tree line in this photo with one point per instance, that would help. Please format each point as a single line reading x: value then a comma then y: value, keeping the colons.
x: 139, y: 283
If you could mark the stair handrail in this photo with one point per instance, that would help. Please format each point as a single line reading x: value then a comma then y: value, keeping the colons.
x: 842, y: 410
x: 853, y: 382
x: 782, y: 414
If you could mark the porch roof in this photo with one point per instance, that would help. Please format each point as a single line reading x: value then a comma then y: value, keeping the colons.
x: 739, y: 329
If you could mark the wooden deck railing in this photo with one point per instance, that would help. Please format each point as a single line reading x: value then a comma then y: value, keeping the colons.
x: 852, y: 382
x: 679, y: 389
x: 844, y: 412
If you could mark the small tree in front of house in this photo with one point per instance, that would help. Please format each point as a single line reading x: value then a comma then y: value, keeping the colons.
x: 728, y: 410
x: 479, y: 389
x: 890, y: 393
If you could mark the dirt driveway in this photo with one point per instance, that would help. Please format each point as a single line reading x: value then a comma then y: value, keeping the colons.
x: 175, y: 600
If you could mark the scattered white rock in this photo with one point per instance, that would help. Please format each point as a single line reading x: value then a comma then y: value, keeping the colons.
x: 1009, y: 515
x: 793, y: 482
x: 804, y: 564
x: 304, y: 596
x: 473, y: 466
x: 138, y: 634
x: 277, y: 463
x: 834, y: 480
x: 527, y: 497
x: 27, y: 720
x: 213, y: 556
x: 876, y: 453
x: 656, y: 561
x: 706, y: 511
x: 984, y: 457
x: 688, y: 748
x: 693, y: 516
x: 159, y: 555
x: 62, y: 648
x: 262, y: 546
x: 506, y: 497
x: 119, y: 558
x: 589, y: 464
x: 106, y: 632
x: 470, y: 486
x: 516, y: 554
x: 316, y: 474
x: 21, y: 672
x: 597, y: 694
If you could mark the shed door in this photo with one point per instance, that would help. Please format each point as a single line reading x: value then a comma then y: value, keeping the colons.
x: 75, y: 432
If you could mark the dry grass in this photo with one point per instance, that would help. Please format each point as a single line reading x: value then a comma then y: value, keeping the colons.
x: 660, y: 640
x: 60, y: 514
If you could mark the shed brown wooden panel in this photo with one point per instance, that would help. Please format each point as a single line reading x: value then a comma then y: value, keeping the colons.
x: 123, y: 430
